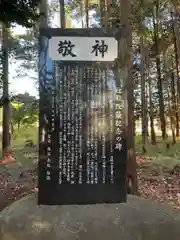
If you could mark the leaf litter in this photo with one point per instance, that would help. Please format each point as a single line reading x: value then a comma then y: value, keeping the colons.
x: 154, y: 183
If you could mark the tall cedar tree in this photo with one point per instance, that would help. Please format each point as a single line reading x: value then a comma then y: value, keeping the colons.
x: 24, y: 13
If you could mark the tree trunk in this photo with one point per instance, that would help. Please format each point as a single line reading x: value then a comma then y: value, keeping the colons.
x: 62, y: 14
x: 87, y: 12
x: 143, y: 99
x: 174, y: 21
x: 176, y: 13
x: 151, y: 114
x: 158, y: 67
x: 43, y: 23
x: 173, y: 107
x: 12, y: 128
x: 102, y: 12
x: 173, y: 130
x: 82, y: 12
x: 149, y: 98
x: 129, y: 85
x: 160, y: 94
x: 6, y: 108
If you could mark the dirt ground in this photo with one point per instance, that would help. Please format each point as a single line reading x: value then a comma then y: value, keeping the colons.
x: 159, y: 184
x: 154, y: 184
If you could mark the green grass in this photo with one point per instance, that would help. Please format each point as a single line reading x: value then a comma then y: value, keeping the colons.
x: 24, y: 156
x: 159, y: 154
x: 24, y: 134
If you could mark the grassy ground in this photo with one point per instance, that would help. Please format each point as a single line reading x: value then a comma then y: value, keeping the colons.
x: 18, y: 144
x: 24, y: 156
x: 156, y: 181
x: 159, y: 154
x: 17, y: 177
x: 158, y: 177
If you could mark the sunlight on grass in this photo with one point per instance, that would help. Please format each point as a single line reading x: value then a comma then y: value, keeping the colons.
x: 159, y: 154
x: 24, y: 156
x: 24, y: 134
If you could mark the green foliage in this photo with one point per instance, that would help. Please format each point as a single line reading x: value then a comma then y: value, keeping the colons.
x: 22, y: 12
x: 24, y: 111
x: 27, y: 51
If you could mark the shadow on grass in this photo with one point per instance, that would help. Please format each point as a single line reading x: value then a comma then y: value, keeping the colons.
x: 158, y: 156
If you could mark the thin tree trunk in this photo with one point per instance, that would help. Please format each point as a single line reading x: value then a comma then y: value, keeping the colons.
x: 169, y: 99
x: 161, y: 98
x: 132, y: 173
x: 19, y: 119
x: 102, y: 12
x: 6, y: 108
x: 176, y: 27
x: 173, y: 107
x: 143, y: 99
x: 172, y: 123
x: 174, y: 22
x: 151, y: 114
x: 158, y: 67
x: 82, y: 12
x: 177, y: 40
x: 149, y: 99
x: 62, y: 14
x: 43, y: 23
x: 173, y: 130
x: 12, y: 128
x: 87, y: 12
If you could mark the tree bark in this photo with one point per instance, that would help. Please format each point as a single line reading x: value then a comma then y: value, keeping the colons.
x: 129, y: 85
x: 173, y: 107
x: 43, y: 23
x: 102, y: 12
x: 87, y: 12
x: 151, y: 114
x: 82, y: 13
x: 158, y: 67
x: 150, y: 99
x: 62, y: 14
x: 6, y: 108
x: 175, y: 35
x: 143, y: 99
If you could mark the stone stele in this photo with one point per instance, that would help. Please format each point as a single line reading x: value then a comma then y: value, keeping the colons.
x: 138, y: 219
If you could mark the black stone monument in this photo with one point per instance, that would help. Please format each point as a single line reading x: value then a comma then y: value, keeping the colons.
x: 82, y: 140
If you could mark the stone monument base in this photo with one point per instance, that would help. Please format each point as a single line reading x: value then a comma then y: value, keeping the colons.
x: 138, y: 219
